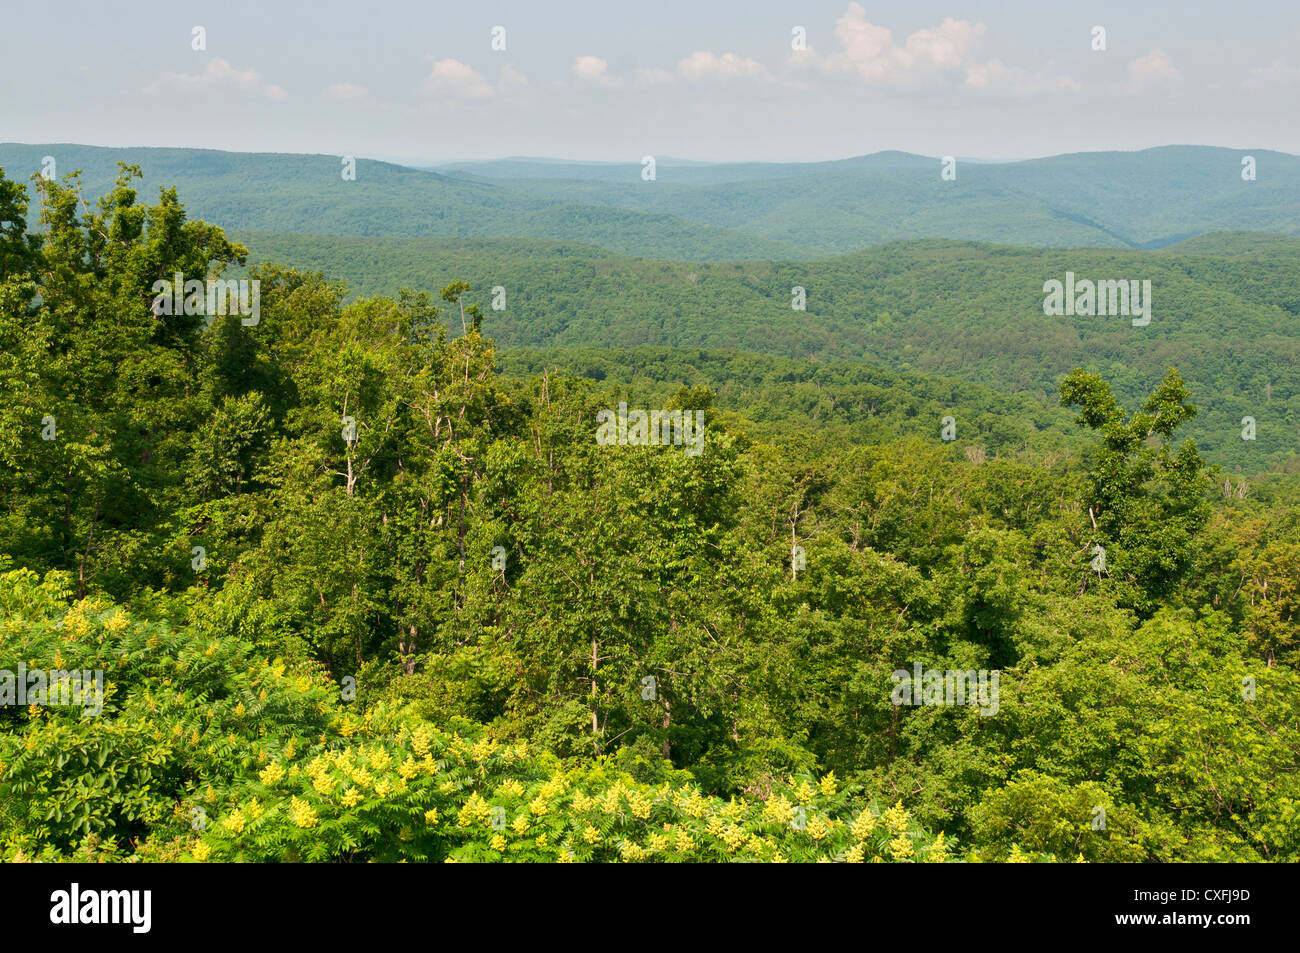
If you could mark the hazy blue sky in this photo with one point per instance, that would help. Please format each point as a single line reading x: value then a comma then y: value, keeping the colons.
x: 615, y: 81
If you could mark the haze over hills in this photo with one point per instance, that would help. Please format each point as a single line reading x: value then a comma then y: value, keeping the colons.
x: 706, y: 256
x: 728, y: 211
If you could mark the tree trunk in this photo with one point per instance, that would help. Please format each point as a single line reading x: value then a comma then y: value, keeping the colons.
x: 668, y: 718
x: 407, y: 649
x: 595, y: 723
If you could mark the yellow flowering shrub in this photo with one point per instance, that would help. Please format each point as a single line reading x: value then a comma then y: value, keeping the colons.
x: 285, y: 771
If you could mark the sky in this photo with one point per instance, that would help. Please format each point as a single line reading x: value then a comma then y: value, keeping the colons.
x: 615, y: 81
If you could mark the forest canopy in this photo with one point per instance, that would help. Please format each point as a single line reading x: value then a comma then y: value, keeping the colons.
x: 360, y: 588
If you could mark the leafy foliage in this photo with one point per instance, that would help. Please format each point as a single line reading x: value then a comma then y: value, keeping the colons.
x: 633, y: 652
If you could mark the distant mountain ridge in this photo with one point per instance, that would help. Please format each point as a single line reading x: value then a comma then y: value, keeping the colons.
x: 723, y: 211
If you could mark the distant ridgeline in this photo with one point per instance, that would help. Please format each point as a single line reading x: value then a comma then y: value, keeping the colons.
x: 719, y: 212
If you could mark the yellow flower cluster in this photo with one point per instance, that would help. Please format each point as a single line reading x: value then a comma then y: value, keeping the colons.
x: 896, y: 818
x: 684, y: 842
x: 301, y: 813
x: 692, y: 805
x: 733, y: 810
x: 818, y: 827
x: 778, y: 810
x: 513, y: 788
x: 900, y: 848
x: 734, y: 837
x: 234, y: 823
x: 938, y: 851
x: 271, y: 774
x: 421, y: 738
x: 474, y: 810
x: 75, y: 623
x: 613, y: 799
x: 356, y: 773
x: 380, y: 759
x: 553, y: 787
x: 862, y: 827
x: 319, y: 772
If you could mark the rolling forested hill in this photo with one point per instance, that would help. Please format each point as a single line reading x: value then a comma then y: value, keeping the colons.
x: 707, y: 255
x: 354, y: 585
x: 1228, y: 318
x: 714, y: 212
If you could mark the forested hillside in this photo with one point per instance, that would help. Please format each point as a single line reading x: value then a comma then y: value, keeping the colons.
x: 360, y: 588
x: 1225, y: 311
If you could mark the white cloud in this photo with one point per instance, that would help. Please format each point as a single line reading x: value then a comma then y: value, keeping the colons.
x: 594, y: 71
x: 937, y: 56
x: 922, y: 59
x: 456, y: 80
x: 346, y: 92
x: 511, y: 78
x: 703, y: 65
x: 218, y: 74
x: 453, y: 80
x: 1277, y: 75
x: 1155, y: 71
x: 932, y: 57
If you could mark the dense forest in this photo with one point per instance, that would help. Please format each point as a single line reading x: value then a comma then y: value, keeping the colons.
x: 1224, y: 312
x: 362, y: 588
